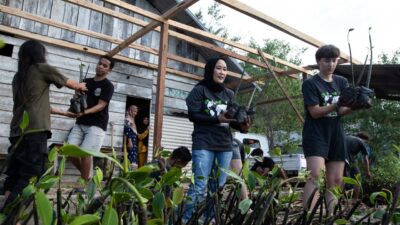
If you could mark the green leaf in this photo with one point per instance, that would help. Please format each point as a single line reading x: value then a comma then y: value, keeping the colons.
x: 178, y: 195
x: 110, y: 216
x: 61, y: 166
x: 48, y: 182
x: 277, y: 151
x: 251, y: 182
x: 158, y: 205
x: 28, y: 191
x: 378, y: 214
x: 373, y: 196
x: 145, y: 192
x: 2, y: 44
x: 232, y: 174
x: 171, y: 176
x: 75, y: 151
x: 155, y: 222
x: 341, y: 221
x: 52, y: 154
x: 98, y: 177
x: 245, y: 169
x: 25, y: 121
x: 244, y: 205
x: 349, y: 180
x: 85, y: 220
x: 43, y: 208
x: 121, y: 197
x: 91, y: 189
x: 247, y: 149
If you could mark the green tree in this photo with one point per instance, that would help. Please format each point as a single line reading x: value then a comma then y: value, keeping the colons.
x: 279, y: 117
x: 385, y: 58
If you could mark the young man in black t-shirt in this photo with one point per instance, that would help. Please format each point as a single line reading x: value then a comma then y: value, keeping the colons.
x: 91, y: 124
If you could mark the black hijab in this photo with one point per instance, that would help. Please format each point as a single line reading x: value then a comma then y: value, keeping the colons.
x: 208, y: 80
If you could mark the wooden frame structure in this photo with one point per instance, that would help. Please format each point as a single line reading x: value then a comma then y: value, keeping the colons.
x: 165, y: 22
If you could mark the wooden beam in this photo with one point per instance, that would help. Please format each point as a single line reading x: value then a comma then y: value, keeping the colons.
x: 167, y: 15
x: 226, y: 52
x: 40, y: 19
x: 205, y: 34
x: 78, y: 47
x: 159, y: 107
x: 283, y: 89
x: 171, y: 33
x: 258, y: 15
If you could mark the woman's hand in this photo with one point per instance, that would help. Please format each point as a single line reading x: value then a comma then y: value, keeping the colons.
x: 223, y: 119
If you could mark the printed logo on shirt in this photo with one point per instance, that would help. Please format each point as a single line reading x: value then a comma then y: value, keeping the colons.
x: 328, y: 99
x: 97, y: 92
x: 214, y: 108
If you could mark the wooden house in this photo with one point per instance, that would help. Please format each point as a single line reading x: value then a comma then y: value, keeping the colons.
x: 160, y: 50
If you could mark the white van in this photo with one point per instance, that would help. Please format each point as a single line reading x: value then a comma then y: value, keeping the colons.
x: 254, y: 141
x: 292, y: 163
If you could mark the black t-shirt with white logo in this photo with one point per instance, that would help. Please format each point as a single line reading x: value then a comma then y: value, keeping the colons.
x: 204, y: 106
x: 97, y: 90
x: 323, y: 136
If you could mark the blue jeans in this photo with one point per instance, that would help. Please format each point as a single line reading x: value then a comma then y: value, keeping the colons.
x: 205, y: 164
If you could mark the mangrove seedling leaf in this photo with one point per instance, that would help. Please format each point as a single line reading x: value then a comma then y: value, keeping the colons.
x: 247, y: 149
x: 145, y: 192
x: 232, y: 174
x: 349, y: 180
x: 25, y: 121
x: 158, y: 205
x: 52, y: 154
x: 61, y: 167
x: 43, y: 208
x: 98, y: 177
x: 378, y: 214
x: 251, y: 182
x: 91, y: 189
x: 170, y: 177
x: 48, y: 182
x: 110, y: 216
x: 341, y: 221
x: 244, y: 205
x: 85, y: 220
x: 373, y: 196
x: 277, y: 151
x: 28, y: 191
x: 155, y: 222
x: 178, y: 196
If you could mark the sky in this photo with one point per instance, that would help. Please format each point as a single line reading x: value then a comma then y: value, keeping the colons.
x: 327, y: 21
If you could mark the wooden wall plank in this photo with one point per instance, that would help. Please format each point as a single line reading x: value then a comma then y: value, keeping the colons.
x: 121, y: 30
x: 107, y: 27
x: 57, y: 14
x: 83, y: 22
x: 95, y: 25
x: 2, y: 2
x: 44, y: 9
x: 13, y: 21
x: 70, y: 17
x: 31, y: 7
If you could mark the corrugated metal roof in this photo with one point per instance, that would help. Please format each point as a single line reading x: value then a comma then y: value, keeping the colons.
x: 385, y: 78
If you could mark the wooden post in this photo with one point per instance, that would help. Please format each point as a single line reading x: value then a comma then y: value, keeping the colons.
x: 282, y: 88
x: 159, y: 108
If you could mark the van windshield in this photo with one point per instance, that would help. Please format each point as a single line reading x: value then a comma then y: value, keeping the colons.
x: 252, y: 143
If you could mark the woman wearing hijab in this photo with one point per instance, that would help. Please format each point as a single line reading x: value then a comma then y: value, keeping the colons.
x: 211, y: 137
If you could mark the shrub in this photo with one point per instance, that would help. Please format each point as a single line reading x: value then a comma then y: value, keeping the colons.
x: 385, y: 174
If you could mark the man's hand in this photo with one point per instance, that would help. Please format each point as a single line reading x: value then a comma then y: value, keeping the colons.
x: 70, y: 114
x: 82, y: 87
